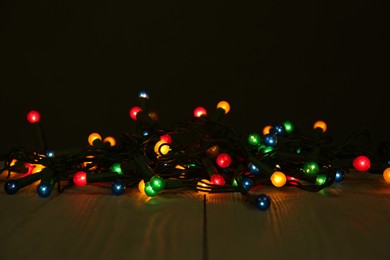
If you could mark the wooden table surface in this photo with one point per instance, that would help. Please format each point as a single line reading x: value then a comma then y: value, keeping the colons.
x: 348, y: 220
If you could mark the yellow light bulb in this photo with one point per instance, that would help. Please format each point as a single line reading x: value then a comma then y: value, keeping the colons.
x: 161, y: 147
x: 278, y: 179
x: 386, y: 174
x: 224, y: 105
x: 92, y: 137
x: 111, y: 140
x: 141, y: 187
x: 320, y: 124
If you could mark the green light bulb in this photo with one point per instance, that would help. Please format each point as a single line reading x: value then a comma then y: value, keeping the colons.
x: 254, y: 139
x: 288, y: 126
x: 157, y: 183
x: 149, y: 191
x: 321, y: 179
x: 116, y: 167
x: 310, y: 168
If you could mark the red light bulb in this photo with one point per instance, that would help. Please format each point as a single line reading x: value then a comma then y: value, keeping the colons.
x: 134, y: 111
x: 223, y: 160
x: 200, y: 111
x: 361, y: 163
x: 33, y: 116
x: 217, y: 179
x: 80, y: 178
x: 166, y: 138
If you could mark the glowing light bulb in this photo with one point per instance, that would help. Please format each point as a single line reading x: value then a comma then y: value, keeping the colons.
x: 321, y: 178
x: 33, y: 116
x: 361, y: 163
x: 263, y: 202
x: 93, y: 137
x: 320, y: 124
x: 217, y: 179
x: 166, y: 138
x: 161, y: 147
x: 339, y: 175
x: 118, y: 187
x: 247, y: 183
x: 141, y: 187
x: 278, y: 130
x: 157, y: 183
x: 269, y: 139
x: 253, y: 169
x: 116, y: 167
x: 254, y: 139
x: 386, y: 174
x: 149, y: 191
x: 134, y: 111
x: 278, y: 179
x: 44, y: 189
x: 80, y: 178
x: 213, y: 151
x: 266, y: 129
x: 143, y: 94
x: 110, y: 140
x: 311, y: 168
x: 224, y: 160
x: 200, y: 111
x: 288, y: 126
x: 224, y: 105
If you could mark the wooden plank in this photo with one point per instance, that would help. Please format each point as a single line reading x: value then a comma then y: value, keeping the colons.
x: 349, y: 220
x: 91, y: 223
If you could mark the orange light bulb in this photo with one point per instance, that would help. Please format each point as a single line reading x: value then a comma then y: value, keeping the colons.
x: 224, y: 105
x: 320, y: 124
x: 94, y: 136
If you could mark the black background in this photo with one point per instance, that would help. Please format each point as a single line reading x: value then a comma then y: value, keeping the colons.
x: 82, y: 64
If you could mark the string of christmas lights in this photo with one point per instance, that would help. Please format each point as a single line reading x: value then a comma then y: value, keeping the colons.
x: 203, y: 153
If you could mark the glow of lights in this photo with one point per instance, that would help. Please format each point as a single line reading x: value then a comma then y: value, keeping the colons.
x: 93, y: 137
x: 224, y: 105
x: 266, y: 129
x: 143, y: 94
x: 278, y: 179
x: 110, y: 140
x: 116, y: 167
x: 223, y: 160
x: 166, y: 138
x: 320, y: 124
x: 386, y: 174
x: 161, y: 147
x: 33, y: 116
x: 200, y: 111
x: 288, y: 126
x: 141, y: 187
x: 80, y: 178
x: 254, y: 139
x: 157, y: 183
x: 310, y: 168
x: 149, y: 191
x: 217, y: 179
x: 134, y: 111
x: 361, y: 163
